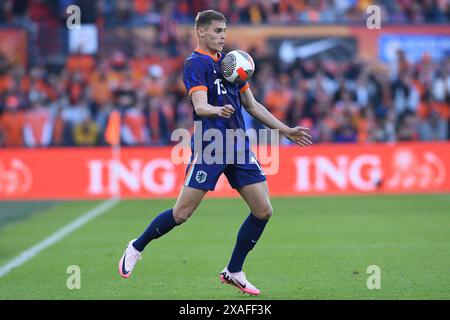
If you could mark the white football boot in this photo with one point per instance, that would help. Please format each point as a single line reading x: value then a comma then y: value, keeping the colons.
x: 238, y: 280
x: 129, y: 259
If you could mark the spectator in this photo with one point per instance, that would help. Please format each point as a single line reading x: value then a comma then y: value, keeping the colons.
x: 433, y: 127
x: 346, y: 130
x: 72, y: 115
x: 342, y: 101
x: 159, y: 134
x: 134, y: 130
x: 85, y: 133
x: 38, y: 126
x: 405, y: 95
x: 58, y: 126
x: 441, y: 86
x: 408, y: 127
x: 12, y: 122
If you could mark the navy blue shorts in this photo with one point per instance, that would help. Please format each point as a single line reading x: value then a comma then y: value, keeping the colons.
x: 204, y: 176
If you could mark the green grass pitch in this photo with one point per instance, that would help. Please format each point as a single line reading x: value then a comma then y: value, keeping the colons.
x: 313, y: 248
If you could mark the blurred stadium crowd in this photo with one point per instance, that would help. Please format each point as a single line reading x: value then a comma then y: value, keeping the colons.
x: 355, y: 101
x: 240, y: 11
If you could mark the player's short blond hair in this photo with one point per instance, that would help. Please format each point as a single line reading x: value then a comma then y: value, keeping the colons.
x: 204, y: 18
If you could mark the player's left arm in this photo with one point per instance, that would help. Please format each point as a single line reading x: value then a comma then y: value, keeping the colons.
x: 299, y: 135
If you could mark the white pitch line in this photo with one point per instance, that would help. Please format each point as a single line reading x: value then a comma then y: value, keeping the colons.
x: 58, y: 235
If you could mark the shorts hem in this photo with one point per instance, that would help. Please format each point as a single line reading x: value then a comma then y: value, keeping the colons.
x: 247, y: 184
x: 200, y: 188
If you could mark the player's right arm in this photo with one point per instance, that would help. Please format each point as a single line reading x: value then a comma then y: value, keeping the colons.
x: 196, y: 83
x: 203, y: 109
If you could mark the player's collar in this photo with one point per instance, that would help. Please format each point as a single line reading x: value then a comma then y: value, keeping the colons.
x: 215, y: 58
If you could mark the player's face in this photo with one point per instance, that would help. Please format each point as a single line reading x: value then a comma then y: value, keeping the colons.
x: 215, y: 35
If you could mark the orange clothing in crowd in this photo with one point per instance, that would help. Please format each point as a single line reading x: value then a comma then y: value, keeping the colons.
x: 11, y: 125
x: 76, y: 91
x: 142, y: 6
x: 101, y: 93
x: 58, y: 131
x: 364, y: 127
x: 168, y: 65
x: 38, y: 127
x: 82, y: 63
x: 441, y: 108
x: 40, y: 86
x: 154, y: 87
x: 289, y: 5
x: 277, y: 101
x: 6, y: 82
x: 115, y: 79
x: 134, y: 125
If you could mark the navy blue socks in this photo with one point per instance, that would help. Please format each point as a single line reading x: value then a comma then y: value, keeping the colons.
x: 162, y: 224
x: 248, y: 235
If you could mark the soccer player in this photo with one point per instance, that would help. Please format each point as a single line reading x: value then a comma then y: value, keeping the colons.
x: 217, y: 104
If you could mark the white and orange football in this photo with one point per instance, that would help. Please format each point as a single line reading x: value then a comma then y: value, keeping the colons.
x: 237, y: 66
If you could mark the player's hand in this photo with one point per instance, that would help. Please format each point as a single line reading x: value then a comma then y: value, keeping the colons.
x: 226, y: 111
x: 300, y: 135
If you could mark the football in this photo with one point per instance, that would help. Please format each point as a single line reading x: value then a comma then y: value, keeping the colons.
x: 237, y: 66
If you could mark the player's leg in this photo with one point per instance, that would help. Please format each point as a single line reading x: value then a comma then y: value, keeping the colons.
x: 187, y: 203
x: 250, y: 181
x: 257, y: 198
x: 199, y: 179
x: 188, y: 200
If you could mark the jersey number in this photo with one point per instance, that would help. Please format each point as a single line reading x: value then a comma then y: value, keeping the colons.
x: 220, y: 88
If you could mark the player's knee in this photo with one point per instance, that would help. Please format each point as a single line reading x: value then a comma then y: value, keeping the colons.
x: 264, y: 213
x: 181, y: 215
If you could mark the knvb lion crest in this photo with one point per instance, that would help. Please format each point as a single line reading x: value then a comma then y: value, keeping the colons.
x: 200, y: 177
